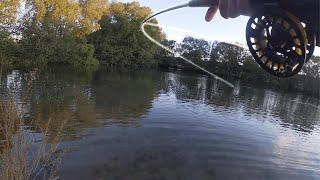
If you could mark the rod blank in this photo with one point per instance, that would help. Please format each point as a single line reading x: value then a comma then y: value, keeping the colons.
x: 203, y: 3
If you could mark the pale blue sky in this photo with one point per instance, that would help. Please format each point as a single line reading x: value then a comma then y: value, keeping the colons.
x: 191, y: 20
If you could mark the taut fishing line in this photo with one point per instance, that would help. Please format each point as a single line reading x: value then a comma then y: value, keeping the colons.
x: 145, y: 22
x: 164, y: 26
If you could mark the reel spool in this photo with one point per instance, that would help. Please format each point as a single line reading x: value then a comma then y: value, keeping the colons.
x: 278, y: 42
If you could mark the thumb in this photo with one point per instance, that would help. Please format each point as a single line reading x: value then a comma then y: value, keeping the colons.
x: 211, y: 13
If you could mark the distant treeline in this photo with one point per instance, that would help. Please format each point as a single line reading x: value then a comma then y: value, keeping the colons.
x: 89, y: 33
x: 234, y: 62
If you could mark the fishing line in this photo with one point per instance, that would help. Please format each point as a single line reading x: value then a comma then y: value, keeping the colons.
x: 145, y: 22
x: 164, y: 26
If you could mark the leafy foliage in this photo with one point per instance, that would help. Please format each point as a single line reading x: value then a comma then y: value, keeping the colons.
x: 8, y: 49
x: 53, y: 31
x: 50, y: 48
x: 119, y: 41
x: 235, y: 62
x: 8, y: 13
x: 57, y: 31
x: 198, y: 49
x: 92, y: 12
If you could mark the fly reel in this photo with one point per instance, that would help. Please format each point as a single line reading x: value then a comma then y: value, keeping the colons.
x: 279, y: 42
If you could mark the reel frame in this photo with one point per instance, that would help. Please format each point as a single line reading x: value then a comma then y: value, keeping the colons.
x: 278, y: 42
x: 311, y: 45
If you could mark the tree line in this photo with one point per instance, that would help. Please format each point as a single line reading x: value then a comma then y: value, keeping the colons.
x: 89, y: 33
x: 235, y: 62
x: 76, y: 32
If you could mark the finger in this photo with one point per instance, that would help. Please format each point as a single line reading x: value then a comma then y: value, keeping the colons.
x: 211, y: 13
x: 232, y: 8
x: 223, y: 7
x: 244, y: 7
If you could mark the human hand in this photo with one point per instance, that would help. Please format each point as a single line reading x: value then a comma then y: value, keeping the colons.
x: 229, y: 9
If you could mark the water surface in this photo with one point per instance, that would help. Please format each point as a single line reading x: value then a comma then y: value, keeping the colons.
x: 170, y: 125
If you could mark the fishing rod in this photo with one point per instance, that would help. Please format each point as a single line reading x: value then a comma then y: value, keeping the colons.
x: 280, y: 36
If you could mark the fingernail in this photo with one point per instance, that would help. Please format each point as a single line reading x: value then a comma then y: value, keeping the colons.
x: 207, y: 17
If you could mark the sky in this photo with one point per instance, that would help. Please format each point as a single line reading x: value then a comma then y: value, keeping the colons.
x: 190, y: 21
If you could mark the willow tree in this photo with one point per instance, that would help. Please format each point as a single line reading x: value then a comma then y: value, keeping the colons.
x: 8, y: 20
x: 54, y: 30
x: 91, y: 13
x: 120, y: 42
x: 8, y: 13
x: 60, y: 16
x: 65, y: 16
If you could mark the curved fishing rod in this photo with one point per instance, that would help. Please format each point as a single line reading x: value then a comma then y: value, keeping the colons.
x: 193, y: 3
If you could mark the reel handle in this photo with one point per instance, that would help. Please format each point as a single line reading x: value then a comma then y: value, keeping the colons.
x: 203, y: 3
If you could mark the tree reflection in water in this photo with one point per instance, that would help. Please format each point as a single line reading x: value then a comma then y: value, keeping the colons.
x: 85, y: 100
x: 168, y: 122
x: 91, y: 100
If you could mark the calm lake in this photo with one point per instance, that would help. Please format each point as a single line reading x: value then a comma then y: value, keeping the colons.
x: 170, y: 125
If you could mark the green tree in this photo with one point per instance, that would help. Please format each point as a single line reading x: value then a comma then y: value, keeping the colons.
x: 195, y: 49
x: 60, y: 16
x: 8, y: 49
x: 166, y: 59
x: 8, y: 13
x: 8, y: 20
x: 92, y: 12
x: 119, y: 42
x: 52, y: 33
x: 228, y: 58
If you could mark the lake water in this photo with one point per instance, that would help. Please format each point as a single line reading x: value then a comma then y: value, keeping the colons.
x: 170, y: 125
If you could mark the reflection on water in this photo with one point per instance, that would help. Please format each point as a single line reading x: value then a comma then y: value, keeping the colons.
x: 165, y: 125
